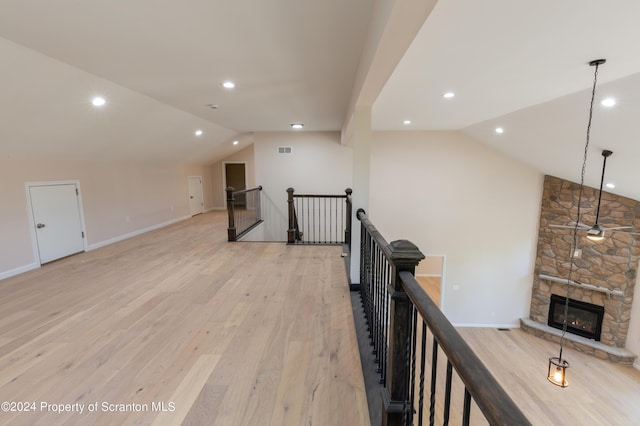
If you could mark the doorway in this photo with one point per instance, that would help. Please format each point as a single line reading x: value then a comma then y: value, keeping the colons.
x: 196, y: 197
x: 57, y: 221
x: 235, y: 176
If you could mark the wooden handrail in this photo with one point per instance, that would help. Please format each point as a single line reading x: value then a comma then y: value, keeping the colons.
x: 246, y: 222
x: 319, y: 218
x: 244, y: 191
x: 496, y: 405
x: 389, y: 299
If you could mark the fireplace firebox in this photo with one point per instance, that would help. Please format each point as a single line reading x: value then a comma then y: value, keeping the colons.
x: 583, y: 319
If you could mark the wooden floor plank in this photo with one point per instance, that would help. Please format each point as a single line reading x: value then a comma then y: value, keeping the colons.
x: 220, y: 333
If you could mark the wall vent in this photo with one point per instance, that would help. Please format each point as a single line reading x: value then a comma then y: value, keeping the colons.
x: 284, y: 150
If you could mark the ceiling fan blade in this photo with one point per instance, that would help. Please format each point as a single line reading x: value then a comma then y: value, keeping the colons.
x: 580, y: 226
x: 616, y: 228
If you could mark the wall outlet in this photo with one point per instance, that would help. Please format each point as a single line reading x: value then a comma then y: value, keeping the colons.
x: 577, y: 253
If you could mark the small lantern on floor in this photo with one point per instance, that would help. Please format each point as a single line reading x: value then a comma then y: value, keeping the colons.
x: 557, y: 373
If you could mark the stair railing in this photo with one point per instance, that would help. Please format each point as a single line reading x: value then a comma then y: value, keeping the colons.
x: 244, y: 210
x: 319, y: 219
x: 409, y: 334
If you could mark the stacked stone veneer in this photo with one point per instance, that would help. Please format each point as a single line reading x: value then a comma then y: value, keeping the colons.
x: 611, y: 263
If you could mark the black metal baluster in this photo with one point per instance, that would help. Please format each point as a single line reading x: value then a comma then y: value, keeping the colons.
x: 466, y: 412
x: 447, y: 394
x: 434, y: 376
x: 412, y: 381
x: 423, y: 358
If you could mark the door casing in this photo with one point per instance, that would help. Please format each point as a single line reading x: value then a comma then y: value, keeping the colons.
x: 32, y: 224
x: 195, y: 190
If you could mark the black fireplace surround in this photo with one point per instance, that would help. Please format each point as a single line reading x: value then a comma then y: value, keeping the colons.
x: 583, y: 319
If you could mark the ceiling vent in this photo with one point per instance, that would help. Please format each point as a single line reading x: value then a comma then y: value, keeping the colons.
x: 284, y: 150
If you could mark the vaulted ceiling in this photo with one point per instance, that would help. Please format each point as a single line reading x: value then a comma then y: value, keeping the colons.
x: 160, y: 64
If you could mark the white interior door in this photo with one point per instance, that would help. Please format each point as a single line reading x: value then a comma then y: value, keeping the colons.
x: 57, y: 220
x: 196, y: 199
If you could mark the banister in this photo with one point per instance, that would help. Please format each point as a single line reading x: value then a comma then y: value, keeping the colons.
x: 492, y: 400
x: 244, y: 191
x: 392, y: 298
x: 319, y: 218
x: 243, y: 218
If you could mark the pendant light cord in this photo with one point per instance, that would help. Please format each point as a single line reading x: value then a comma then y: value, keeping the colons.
x: 575, y: 228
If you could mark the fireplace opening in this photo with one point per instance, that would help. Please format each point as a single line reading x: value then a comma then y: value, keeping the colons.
x: 583, y: 319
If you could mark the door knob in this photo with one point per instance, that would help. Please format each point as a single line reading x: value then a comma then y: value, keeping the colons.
x: 40, y: 225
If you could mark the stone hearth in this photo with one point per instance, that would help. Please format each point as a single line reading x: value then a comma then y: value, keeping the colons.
x: 604, y: 273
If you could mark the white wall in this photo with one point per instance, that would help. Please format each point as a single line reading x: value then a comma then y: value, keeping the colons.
x: 119, y: 199
x: 318, y: 164
x: 452, y: 196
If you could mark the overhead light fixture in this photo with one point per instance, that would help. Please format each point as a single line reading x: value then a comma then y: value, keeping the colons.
x: 608, y: 102
x: 595, y: 233
x: 228, y: 84
x: 610, y: 185
x: 236, y: 142
x: 406, y: 122
x: 297, y: 126
x: 499, y: 130
x: 449, y: 95
x: 198, y: 132
x: 557, y: 371
x: 98, y: 101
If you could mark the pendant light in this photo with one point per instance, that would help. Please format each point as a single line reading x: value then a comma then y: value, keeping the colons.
x: 557, y: 371
x: 596, y: 233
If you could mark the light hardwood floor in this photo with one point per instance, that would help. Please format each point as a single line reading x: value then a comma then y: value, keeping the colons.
x: 218, y: 333
x: 599, y: 392
x: 431, y: 285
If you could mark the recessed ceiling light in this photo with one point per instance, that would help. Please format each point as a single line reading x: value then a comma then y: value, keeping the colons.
x: 297, y: 126
x: 236, y: 142
x: 406, y: 122
x: 198, y: 132
x: 608, y: 102
x: 499, y: 130
x: 98, y: 101
x: 228, y: 84
x: 611, y: 185
x: 448, y: 95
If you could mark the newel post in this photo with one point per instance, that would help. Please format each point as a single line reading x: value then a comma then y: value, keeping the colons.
x: 405, y: 256
x: 231, y: 206
x: 347, y: 228
x: 291, y: 232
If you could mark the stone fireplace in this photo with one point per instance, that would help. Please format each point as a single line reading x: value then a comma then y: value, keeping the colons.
x: 604, y: 272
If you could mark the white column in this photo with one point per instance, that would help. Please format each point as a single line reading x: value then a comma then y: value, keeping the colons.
x: 361, y: 137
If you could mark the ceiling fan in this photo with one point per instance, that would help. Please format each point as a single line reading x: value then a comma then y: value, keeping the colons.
x: 595, y: 232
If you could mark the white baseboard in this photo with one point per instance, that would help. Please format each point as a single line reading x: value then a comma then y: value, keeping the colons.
x: 213, y: 209
x: 136, y: 233
x: 18, y: 271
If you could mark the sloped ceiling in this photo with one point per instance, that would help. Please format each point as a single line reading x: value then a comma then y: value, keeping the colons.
x: 524, y: 67
x: 160, y: 63
x: 521, y: 66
